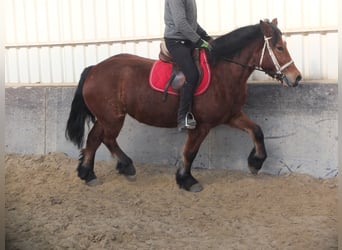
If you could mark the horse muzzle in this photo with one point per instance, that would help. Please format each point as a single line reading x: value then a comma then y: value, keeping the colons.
x: 290, y: 81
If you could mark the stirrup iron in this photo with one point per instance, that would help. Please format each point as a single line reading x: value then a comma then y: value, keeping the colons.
x: 190, y: 122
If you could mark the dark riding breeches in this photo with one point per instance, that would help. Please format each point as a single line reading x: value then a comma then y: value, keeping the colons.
x: 181, y: 51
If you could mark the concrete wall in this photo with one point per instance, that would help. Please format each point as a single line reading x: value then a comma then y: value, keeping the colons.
x: 300, y: 127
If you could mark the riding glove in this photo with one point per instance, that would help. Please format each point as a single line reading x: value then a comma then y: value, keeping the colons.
x: 207, y: 38
x: 203, y: 44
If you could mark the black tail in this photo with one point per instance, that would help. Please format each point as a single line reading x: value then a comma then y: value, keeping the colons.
x: 79, y: 114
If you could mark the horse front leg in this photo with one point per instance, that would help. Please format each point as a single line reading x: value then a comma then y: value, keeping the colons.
x: 258, y: 154
x: 184, y: 178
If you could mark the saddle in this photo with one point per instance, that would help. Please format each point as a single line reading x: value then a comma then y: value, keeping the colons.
x: 166, y: 76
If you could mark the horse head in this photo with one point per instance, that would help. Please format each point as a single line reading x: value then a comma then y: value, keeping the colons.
x: 275, y: 59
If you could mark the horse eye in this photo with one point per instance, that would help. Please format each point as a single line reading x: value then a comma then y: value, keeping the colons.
x: 280, y: 48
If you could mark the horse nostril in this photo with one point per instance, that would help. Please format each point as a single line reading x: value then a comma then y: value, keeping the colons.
x: 299, y: 78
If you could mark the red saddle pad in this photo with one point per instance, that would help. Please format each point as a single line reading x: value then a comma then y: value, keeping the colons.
x: 161, y: 72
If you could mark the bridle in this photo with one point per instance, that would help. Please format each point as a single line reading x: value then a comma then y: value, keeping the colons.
x: 279, y: 69
x: 279, y: 75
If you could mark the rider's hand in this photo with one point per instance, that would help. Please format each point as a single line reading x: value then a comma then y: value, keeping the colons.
x: 207, y: 38
x: 203, y: 44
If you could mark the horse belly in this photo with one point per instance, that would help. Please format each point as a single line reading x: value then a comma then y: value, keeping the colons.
x: 147, y: 106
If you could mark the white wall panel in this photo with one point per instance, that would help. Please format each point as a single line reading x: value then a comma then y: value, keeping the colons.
x: 33, y: 65
x: 330, y: 56
x: 69, y: 65
x: 51, y: 41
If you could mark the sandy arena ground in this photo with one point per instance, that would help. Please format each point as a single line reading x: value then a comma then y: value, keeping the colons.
x: 49, y: 207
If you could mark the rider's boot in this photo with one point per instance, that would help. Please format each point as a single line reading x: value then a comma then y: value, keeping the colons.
x: 186, y: 119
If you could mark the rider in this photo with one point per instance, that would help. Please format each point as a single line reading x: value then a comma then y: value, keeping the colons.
x: 182, y: 34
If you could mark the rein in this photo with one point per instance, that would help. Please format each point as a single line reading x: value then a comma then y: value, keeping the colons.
x: 243, y: 65
x: 278, y: 75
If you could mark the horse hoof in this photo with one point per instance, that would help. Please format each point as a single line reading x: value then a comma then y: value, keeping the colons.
x: 94, y: 183
x: 124, y: 169
x: 196, y: 188
x: 187, y: 182
x: 255, y: 162
x: 253, y: 170
x: 131, y: 178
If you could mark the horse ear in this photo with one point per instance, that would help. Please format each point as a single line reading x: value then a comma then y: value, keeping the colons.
x: 275, y: 21
x: 266, y: 20
x: 266, y: 29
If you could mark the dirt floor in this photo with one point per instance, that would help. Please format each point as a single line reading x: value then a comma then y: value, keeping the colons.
x: 48, y: 207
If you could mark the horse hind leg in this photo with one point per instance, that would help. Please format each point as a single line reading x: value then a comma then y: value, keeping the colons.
x: 85, y: 167
x: 124, y: 163
x: 96, y: 136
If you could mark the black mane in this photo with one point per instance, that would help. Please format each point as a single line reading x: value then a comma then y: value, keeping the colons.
x: 228, y: 45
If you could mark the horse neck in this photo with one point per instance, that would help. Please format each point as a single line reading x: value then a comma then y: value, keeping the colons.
x: 245, y: 60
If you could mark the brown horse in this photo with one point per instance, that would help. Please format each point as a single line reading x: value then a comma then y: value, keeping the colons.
x: 119, y: 85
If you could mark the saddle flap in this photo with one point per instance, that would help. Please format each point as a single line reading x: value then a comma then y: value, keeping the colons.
x: 162, y: 71
x: 178, y: 81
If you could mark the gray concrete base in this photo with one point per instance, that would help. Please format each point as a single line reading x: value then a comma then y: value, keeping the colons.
x: 299, y: 124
